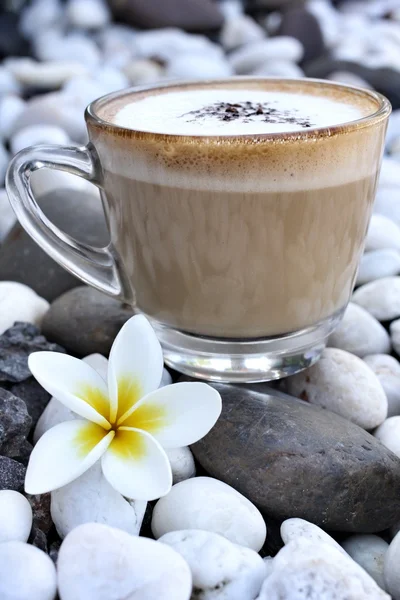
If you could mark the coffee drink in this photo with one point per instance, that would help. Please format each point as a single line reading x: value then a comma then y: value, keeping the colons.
x: 225, y: 232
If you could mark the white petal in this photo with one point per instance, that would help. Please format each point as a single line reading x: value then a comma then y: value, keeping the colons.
x: 63, y: 453
x: 136, y: 465
x: 135, y: 365
x: 74, y: 383
x: 177, y: 415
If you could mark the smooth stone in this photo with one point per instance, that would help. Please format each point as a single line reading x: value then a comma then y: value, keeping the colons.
x: 279, y: 68
x: 220, y: 570
x: 349, y: 79
x: 250, y: 57
x: 78, y: 214
x: 46, y: 75
x: 15, y: 424
x: 301, y: 24
x: 143, y: 70
x: 87, y: 14
x: 15, y: 517
x: 378, y: 264
x: 166, y: 378
x: 11, y: 107
x: 26, y: 573
x: 393, y: 130
x: 97, y: 562
x: 302, y: 445
x: 166, y: 44
x: 40, y: 15
x: 182, y: 463
x: 360, y: 333
x: 12, y: 474
x: 395, y: 335
x: 4, y: 160
x: 34, y: 395
x: 38, y: 134
x: 303, y: 570
x: 390, y: 174
x: 8, y: 217
x: 196, y: 66
x: 19, y: 302
x: 86, y: 320
x: 239, y: 31
x: 381, y: 298
x: 16, y: 344
x: 387, y: 203
x: 268, y: 565
x: 343, y: 383
x: 382, y: 233
x: 8, y: 83
x: 209, y: 504
x: 75, y: 47
x: 191, y: 15
x: 391, y: 571
x: 369, y: 552
x: 91, y: 499
x: 387, y: 369
x: 389, y: 434
x: 292, y: 529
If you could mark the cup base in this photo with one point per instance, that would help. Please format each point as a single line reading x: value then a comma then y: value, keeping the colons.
x: 244, y: 361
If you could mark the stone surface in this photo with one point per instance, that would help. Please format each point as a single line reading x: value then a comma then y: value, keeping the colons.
x: 11, y: 41
x: 381, y: 298
x: 125, y: 567
x: 342, y: 382
x: 378, y: 264
x: 382, y: 233
x: 209, y: 504
x: 301, y: 24
x: 38, y: 539
x: 40, y: 504
x: 245, y: 60
x: 19, y: 302
x: 45, y: 75
x: 220, y: 570
x: 11, y: 106
x: 389, y: 434
x: 321, y: 467
x: 90, y: 498
x: 292, y: 529
x: 15, y: 517
x: 78, y: 214
x: 387, y: 369
x: 16, y: 344
x: 369, y: 552
x: 4, y: 159
x: 142, y: 71
x: 182, y: 463
x: 26, y: 573
x: 35, y: 397
x: 38, y: 134
x: 87, y: 14
x: 395, y: 335
x: 85, y: 321
x: 391, y: 571
x: 197, y: 67
x: 387, y: 203
x: 15, y: 424
x: 12, y: 474
x: 239, y: 31
x: 359, y: 333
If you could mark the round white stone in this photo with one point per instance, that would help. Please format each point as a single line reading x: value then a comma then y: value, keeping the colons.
x: 209, y: 504
x: 97, y: 562
x: 360, y: 333
x: 169, y: 43
x: 387, y: 369
x: 8, y: 217
x: 74, y: 47
x: 279, y: 68
x: 196, y: 66
x: 19, y: 302
x: 250, y: 57
x: 8, y: 83
x: 344, y: 384
x: 38, y: 134
x: 50, y: 74
x: 382, y: 233
x: 26, y: 573
x: 393, y: 130
x: 378, y: 264
x: 349, y: 78
x: 390, y: 173
x: 4, y: 160
x: 40, y: 15
x: 387, y: 203
x: 381, y: 298
x: 10, y: 109
x: 389, y: 434
x: 182, y: 463
x: 391, y: 571
x: 87, y: 14
x: 15, y: 517
x: 220, y: 570
x: 143, y: 70
x: 395, y: 335
x: 91, y: 499
x: 294, y: 528
x: 369, y: 552
x: 240, y: 30
x: 269, y: 565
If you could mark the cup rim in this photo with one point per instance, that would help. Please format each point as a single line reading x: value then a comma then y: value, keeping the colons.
x: 383, y: 111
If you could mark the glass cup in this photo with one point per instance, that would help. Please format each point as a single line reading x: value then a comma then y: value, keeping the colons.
x: 242, y: 250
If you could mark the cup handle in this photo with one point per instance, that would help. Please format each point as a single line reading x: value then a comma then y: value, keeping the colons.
x: 95, y: 266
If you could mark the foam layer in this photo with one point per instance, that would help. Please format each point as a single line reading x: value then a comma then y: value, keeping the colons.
x: 234, y: 112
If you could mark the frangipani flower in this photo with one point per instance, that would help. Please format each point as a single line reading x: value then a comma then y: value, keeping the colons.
x: 126, y: 423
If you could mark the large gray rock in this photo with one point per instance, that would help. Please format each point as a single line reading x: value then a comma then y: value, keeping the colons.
x: 78, y: 214
x: 15, y: 424
x: 35, y: 397
x: 296, y: 460
x: 12, y: 474
x: 85, y: 321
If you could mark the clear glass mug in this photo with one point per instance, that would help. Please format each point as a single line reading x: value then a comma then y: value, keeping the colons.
x: 241, y: 250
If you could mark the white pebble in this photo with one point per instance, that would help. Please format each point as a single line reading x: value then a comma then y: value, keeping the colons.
x: 90, y: 498
x: 393, y: 130
x: 391, y: 569
x: 76, y: 47
x: 381, y: 298
x: 343, y: 383
x: 15, y: 517
x: 369, y: 552
x: 349, y: 78
x: 387, y: 203
x: 294, y: 528
x: 170, y: 43
x: 26, y: 573
x: 250, y: 57
x: 196, y: 66
x: 47, y: 75
x: 209, y: 504
x: 19, y: 302
x: 10, y: 109
x: 182, y: 463
x: 395, y: 335
x: 4, y: 160
x: 97, y: 562
x: 7, y: 215
x: 143, y: 70
x: 390, y: 172
x: 378, y: 264
x: 382, y: 233
x: 38, y: 134
x: 279, y: 68
x: 389, y: 434
x: 240, y: 30
x: 8, y: 83
x: 387, y: 369
x: 87, y: 14
x: 360, y: 333
x: 166, y: 378
x: 40, y: 15
x: 220, y: 570
x: 268, y: 565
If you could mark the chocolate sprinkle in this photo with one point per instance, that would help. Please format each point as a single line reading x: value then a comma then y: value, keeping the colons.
x: 248, y: 112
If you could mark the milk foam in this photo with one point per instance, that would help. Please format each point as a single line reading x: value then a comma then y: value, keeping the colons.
x: 204, y: 112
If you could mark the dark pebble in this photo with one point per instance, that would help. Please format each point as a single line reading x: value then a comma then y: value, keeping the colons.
x: 12, y: 474
x: 38, y: 539
x: 11, y: 42
x: 41, y: 511
x: 301, y: 24
x: 15, y: 424
x: 35, y: 397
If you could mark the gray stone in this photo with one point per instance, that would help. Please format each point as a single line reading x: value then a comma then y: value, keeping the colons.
x: 78, y: 214
x: 12, y: 474
x: 85, y: 321
x: 40, y: 505
x: 15, y: 424
x: 35, y: 397
x: 369, y: 552
x: 38, y: 539
x: 296, y: 460
x: 391, y: 568
x: 387, y: 369
x: 301, y: 24
x: 16, y: 344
